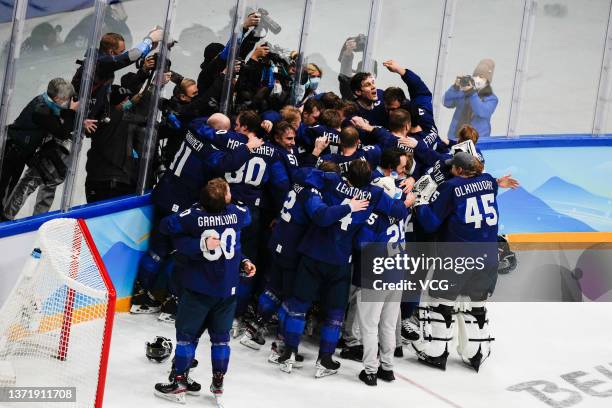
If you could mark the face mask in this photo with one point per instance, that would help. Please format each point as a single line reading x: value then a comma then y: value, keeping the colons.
x: 313, y: 83
x: 479, y: 83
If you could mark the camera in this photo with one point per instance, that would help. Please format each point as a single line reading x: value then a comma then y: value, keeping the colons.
x: 267, y: 22
x: 466, y: 80
x: 360, y: 40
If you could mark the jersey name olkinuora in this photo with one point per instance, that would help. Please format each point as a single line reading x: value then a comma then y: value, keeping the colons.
x: 463, y: 210
x: 215, y: 272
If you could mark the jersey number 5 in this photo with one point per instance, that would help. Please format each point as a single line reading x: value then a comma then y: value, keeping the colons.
x: 473, y: 214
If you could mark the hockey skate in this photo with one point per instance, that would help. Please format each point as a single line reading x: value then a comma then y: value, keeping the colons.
x: 410, y: 331
x: 168, y: 310
x: 174, y: 391
x: 237, y: 328
x: 253, y: 337
x: 193, y: 387
x: 144, y: 303
x: 277, y: 350
x: 216, y: 387
x: 326, y: 366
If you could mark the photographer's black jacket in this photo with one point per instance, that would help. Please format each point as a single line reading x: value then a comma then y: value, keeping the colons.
x: 35, y: 123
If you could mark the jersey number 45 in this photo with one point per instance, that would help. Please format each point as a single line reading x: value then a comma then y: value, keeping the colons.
x: 474, y: 215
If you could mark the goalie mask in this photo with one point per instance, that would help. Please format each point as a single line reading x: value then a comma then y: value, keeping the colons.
x: 467, y: 147
x: 159, y: 350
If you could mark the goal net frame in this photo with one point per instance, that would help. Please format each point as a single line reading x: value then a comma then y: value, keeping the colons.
x: 69, y: 314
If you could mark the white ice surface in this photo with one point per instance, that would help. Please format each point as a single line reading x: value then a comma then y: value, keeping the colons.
x: 533, y: 342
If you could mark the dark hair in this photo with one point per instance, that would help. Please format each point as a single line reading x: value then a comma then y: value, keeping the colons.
x: 390, y: 158
x: 280, y: 128
x: 350, y: 109
x: 110, y: 42
x: 357, y: 79
x: 331, y: 118
x: 359, y: 173
x: 212, y: 195
x: 349, y: 137
x: 398, y: 118
x: 250, y: 119
x: 331, y: 101
x: 329, y: 166
x: 311, y: 104
x: 475, y: 170
x: 394, y: 93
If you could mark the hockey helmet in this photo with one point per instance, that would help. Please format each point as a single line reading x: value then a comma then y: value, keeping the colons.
x: 159, y: 350
x: 507, y: 258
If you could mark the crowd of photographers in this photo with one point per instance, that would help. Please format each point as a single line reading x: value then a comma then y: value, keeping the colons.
x: 37, y: 152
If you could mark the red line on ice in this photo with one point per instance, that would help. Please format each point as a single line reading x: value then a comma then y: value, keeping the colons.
x: 427, y: 390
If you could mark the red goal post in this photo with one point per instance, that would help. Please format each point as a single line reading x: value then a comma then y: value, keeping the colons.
x: 56, y: 326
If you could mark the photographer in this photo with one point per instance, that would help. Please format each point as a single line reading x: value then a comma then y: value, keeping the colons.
x: 346, y: 57
x: 112, y: 160
x: 264, y: 82
x: 111, y: 58
x: 473, y: 100
x: 216, y: 55
x: 46, y: 119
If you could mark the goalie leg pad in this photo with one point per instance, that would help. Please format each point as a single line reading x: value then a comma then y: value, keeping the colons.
x: 438, y: 322
x: 474, y: 338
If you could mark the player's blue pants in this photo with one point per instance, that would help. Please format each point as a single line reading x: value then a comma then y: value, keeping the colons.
x: 332, y: 283
x: 250, y: 238
x: 198, y: 312
x: 281, y: 274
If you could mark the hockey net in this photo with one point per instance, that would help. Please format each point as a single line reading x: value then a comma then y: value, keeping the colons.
x: 55, y: 327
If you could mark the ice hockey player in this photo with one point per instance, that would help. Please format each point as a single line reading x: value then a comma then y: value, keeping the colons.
x: 302, y: 207
x: 378, y: 310
x: 325, y: 268
x: 208, y: 261
x: 351, y: 151
x: 196, y: 162
x: 463, y: 210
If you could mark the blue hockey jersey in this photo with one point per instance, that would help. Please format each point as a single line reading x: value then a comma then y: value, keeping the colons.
x: 303, y: 206
x: 463, y: 210
x: 333, y: 244
x: 369, y: 153
x: 216, y: 272
x: 196, y: 162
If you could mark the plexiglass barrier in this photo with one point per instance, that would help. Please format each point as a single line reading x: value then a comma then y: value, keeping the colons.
x: 487, y: 47
x: 565, y: 59
x: 547, y: 65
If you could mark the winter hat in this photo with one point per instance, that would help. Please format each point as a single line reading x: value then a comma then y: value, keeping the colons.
x: 118, y: 95
x: 212, y: 50
x: 485, y: 69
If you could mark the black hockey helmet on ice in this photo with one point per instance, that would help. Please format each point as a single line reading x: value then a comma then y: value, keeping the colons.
x: 159, y: 350
x: 507, y: 258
